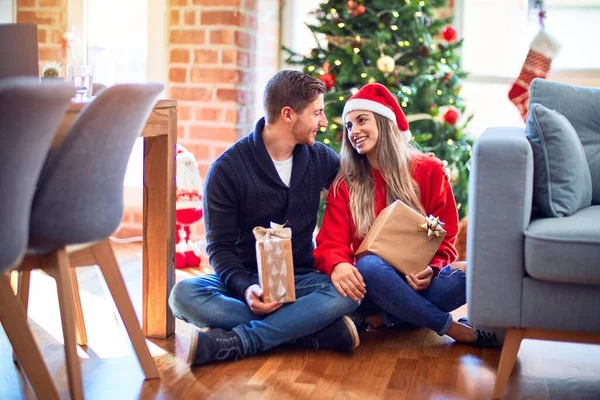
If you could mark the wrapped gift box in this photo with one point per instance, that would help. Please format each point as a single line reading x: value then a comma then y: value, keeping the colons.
x: 275, y: 263
x: 403, y: 237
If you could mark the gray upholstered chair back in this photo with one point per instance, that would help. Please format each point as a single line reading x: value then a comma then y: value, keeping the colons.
x: 19, y: 50
x: 80, y: 195
x: 30, y: 112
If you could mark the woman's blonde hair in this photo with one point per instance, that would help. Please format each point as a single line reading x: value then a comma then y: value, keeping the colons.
x: 394, y: 161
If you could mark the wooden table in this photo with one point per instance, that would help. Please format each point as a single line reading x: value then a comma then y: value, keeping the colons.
x: 158, y: 256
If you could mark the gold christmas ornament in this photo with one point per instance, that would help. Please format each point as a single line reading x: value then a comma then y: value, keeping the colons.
x: 433, y: 227
x: 386, y: 64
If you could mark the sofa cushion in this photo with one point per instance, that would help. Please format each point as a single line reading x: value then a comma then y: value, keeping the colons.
x: 562, y: 182
x: 565, y: 249
x: 581, y: 106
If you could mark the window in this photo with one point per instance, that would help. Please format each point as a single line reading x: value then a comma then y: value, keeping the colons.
x: 497, y: 37
x: 122, y: 48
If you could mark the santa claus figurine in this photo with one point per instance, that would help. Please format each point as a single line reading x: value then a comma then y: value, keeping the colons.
x: 188, y: 207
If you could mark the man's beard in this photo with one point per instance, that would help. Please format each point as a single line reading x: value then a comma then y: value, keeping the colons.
x: 302, y: 133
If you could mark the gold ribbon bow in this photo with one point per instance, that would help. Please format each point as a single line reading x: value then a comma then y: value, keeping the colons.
x: 433, y: 227
x: 276, y: 230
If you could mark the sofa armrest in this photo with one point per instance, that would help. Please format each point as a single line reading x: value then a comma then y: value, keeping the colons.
x: 500, y: 198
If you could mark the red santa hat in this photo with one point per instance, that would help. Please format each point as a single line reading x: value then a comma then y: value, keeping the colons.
x: 377, y: 98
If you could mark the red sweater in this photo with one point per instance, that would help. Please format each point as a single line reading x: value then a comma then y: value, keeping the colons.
x: 337, y: 240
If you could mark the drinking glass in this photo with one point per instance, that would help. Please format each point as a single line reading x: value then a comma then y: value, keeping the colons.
x: 82, y: 77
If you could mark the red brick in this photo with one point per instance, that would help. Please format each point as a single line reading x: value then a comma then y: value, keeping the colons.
x: 191, y: 93
x: 243, y: 59
x: 249, y: 22
x: 57, y: 36
x: 205, y: 57
x: 250, y: 4
x: 203, y: 75
x: 219, y: 150
x: 203, y: 168
x: 227, y: 94
x: 190, y: 18
x: 229, y: 56
x: 184, y: 113
x: 49, y: 54
x: 200, y: 151
x: 180, y: 131
x: 175, y: 17
x: 50, y: 3
x: 226, y: 133
x: 177, y: 74
x: 208, y: 114
x: 244, y: 40
x: 220, y: 18
x: 232, y: 116
x: 217, y: 2
x: 187, y: 37
x: 42, y: 35
x: 25, y: 3
x: 222, y: 36
x: 180, y: 56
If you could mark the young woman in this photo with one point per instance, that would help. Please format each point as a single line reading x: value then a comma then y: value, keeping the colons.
x: 378, y: 166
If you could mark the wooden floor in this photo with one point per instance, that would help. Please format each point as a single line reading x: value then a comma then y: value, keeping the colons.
x: 389, y: 364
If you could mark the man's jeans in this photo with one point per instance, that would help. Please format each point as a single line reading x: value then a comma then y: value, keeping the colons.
x: 399, y: 302
x: 205, y: 301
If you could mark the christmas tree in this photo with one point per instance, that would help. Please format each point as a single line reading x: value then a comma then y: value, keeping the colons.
x: 403, y: 45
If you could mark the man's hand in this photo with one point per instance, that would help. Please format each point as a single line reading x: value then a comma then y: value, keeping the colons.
x: 420, y: 281
x: 348, y: 281
x: 254, y: 299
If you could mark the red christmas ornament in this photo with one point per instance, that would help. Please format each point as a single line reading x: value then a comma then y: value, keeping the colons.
x: 354, y: 9
x: 451, y: 116
x: 328, y: 79
x: 449, y: 34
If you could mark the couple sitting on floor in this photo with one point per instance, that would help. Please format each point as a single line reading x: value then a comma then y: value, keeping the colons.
x: 276, y: 174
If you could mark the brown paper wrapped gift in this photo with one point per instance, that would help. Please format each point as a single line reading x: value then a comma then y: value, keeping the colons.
x: 403, y: 237
x: 275, y: 263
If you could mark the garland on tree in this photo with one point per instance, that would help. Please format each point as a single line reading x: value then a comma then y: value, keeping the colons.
x: 403, y: 45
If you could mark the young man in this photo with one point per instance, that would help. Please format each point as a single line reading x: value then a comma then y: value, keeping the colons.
x: 275, y: 174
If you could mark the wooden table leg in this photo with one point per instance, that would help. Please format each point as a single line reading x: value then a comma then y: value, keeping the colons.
x: 158, y: 231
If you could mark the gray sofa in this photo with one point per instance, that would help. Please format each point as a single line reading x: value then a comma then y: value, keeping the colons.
x: 534, y: 224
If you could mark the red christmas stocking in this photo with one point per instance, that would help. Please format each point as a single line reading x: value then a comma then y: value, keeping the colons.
x: 542, y: 50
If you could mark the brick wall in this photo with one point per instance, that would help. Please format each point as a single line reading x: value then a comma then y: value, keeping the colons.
x: 213, y: 71
x: 51, y: 17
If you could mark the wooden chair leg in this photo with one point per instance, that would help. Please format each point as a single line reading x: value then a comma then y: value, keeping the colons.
x: 21, y: 287
x: 107, y: 262
x: 82, y: 339
x: 14, y: 321
x: 510, y: 349
x: 67, y: 310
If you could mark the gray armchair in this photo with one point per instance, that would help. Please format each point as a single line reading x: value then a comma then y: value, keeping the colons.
x: 534, y: 224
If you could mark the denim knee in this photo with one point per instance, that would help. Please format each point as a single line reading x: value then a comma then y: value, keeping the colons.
x: 370, y: 265
x: 337, y: 305
x: 180, y: 295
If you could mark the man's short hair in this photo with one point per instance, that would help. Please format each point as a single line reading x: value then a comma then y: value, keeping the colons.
x: 290, y: 88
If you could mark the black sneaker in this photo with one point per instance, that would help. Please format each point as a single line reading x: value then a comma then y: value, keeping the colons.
x: 486, y: 337
x: 214, y: 345
x: 339, y: 335
x: 362, y: 325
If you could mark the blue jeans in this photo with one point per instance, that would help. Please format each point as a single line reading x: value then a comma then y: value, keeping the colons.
x: 399, y: 302
x: 205, y: 301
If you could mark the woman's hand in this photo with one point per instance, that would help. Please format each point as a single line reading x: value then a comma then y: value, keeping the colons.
x: 348, y: 281
x: 254, y: 299
x: 420, y: 281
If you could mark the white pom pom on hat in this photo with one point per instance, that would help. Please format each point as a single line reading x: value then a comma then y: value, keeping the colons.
x: 377, y: 98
